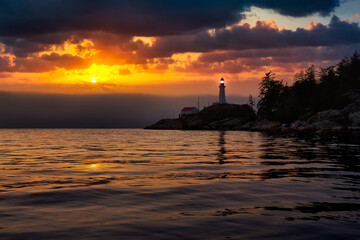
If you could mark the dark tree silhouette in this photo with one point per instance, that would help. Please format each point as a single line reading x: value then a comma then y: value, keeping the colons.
x: 270, y: 95
x: 251, y: 102
x: 311, y: 92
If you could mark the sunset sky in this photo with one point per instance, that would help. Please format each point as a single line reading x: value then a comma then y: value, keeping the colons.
x: 169, y: 48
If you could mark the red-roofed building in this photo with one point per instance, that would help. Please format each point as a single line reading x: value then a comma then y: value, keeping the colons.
x: 188, y: 110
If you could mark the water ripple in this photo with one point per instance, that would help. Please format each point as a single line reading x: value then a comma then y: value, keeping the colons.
x: 132, y: 184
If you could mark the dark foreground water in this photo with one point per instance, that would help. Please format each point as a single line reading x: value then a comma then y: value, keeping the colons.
x: 146, y: 184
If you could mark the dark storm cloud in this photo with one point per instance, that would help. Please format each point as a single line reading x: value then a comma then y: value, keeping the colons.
x: 288, y: 59
x: 136, y: 17
x: 243, y: 41
x: 262, y: 36
x: 44, y: 63
x: 295, y: 54
x: 31, y: 26
x: 21, y: 47
x: 23, y: 18
x: 66, y: 61
x: 298, y: 8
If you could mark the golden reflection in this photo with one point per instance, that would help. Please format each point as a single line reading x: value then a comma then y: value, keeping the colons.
x: 94, y: 165
x: 222, y: 151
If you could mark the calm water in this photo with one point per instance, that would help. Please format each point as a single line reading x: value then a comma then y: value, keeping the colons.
x: 147, y: 184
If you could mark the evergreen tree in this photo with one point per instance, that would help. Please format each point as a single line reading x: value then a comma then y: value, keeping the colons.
x: 251, y: 102
x: 270, y: 94
x: 309, y: 94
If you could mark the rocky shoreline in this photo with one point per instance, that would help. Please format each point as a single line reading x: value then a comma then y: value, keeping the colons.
x: 243, y: 118
x: 214, y: 117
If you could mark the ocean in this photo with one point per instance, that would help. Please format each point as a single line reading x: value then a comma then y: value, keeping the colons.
x: 150, y: 184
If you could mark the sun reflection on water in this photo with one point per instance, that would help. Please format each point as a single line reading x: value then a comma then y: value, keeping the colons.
x: 94, y: 165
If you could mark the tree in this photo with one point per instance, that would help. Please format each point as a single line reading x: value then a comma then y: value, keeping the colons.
x: 251, y: 102
x: 307, y: 77
x: 304, y: 92
x: 271, y: 92
x: 311, y: 92
x: 354, y: 81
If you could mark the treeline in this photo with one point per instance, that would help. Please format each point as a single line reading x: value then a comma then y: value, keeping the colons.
x: 312, y: 91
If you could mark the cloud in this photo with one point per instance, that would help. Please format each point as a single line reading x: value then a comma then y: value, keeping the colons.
x: 137, y: 17
x: 45, y: 63
x: 298, y: 8
x: 25, y: 18
x: 255, y: 61
x: 262, y: 36
x: 232, y: 50
x: 228, y: 67
x: 32, y: 29
x: 66, y: 61
x: 356, y: 16
x: 294, y: 54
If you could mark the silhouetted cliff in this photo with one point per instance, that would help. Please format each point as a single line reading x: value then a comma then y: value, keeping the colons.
x: 217, y: 116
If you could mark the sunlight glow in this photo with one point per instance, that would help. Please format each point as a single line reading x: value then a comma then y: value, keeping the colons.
x: 94, y: 165
x: 84, y: 49
x: 147, y: 40
x: 94, y: 80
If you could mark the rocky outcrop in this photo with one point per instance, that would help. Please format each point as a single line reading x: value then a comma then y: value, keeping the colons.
x: 265, y: 125
x: 166, y: 124
x: 219, y: 112
x: 354, y: 118
x: 243, y: 117
x: 333, y: 119
x: 217, y: 116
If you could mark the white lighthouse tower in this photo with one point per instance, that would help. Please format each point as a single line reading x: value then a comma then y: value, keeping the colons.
x: 222, y: 99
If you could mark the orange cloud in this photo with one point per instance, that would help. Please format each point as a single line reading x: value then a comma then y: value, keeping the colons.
x: 266, y: 24
x: 129, y: 64
x: 356, y: 16
x: 313, y: 25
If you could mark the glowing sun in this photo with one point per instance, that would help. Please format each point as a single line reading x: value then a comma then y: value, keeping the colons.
x: 94, y: 80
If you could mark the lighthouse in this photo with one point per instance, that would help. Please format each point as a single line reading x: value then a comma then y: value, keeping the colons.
x: 222, y: 99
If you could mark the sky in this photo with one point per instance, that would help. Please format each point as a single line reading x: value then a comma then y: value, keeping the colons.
x: 90, y: 63
x: 168, y: 48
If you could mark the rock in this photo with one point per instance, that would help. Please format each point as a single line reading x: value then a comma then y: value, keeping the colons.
x: 191, y: 122
x: 242, y: 117
x: 354, y: 106
x: 265, y: 125
x: 217, y: 116
x: 166, y: 124
x: 228, y: 122
x: 247, y: 126
x: 299, y: 125
x: 326, y: 124
x: 219, y: 112
x: 326, y: 115
x: 329, y: 118
x: 354, y: 118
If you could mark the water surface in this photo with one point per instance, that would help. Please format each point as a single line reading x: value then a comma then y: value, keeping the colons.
x: 141, y: 184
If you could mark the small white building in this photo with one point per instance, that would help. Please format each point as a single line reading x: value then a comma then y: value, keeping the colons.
x: 188, y: 111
